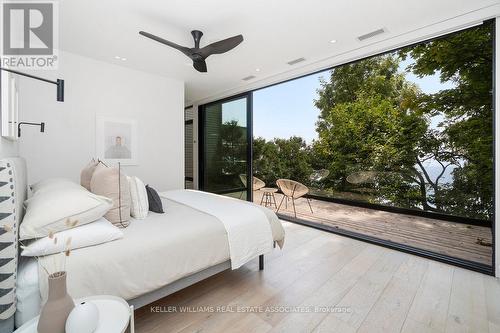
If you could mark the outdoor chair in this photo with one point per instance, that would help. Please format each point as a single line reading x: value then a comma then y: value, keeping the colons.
x: 292, y: 190
x: 361, y: 179
x: 257, y: 184
x: 318, y: 176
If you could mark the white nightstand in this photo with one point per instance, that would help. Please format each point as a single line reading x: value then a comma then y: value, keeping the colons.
x: 114, y: 315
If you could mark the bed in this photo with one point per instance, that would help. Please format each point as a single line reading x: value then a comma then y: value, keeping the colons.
x: 156, y: 257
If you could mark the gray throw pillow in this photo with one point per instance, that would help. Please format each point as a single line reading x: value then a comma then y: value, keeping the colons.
x: 154, y: 199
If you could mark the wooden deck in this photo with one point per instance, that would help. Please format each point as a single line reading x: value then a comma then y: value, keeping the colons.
x: 449, y: 238
x: 382, y: 290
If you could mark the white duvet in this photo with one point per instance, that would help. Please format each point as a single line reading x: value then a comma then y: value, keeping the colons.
x: 161, y: 249
x: 248, y: 229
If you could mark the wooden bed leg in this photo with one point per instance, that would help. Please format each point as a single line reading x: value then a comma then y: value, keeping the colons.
x: 261, y: 262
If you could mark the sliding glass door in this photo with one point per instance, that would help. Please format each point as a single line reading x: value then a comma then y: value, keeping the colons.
x: 225, y: 142
x: 397, y: 148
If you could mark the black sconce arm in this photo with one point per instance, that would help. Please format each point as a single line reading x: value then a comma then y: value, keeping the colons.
x: 59, y: 83
x: 42, y: 127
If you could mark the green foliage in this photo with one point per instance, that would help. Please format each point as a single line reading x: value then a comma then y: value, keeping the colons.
x: 375, y: 124
x: 373, y: 119
x: 281, y: 158
x: 465, y: 58
x: 376, y: 127
x: 233, y: 147
x: 228, y: 156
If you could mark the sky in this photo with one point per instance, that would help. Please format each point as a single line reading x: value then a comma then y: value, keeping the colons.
x: 287, y: 109
x: 235, y: 110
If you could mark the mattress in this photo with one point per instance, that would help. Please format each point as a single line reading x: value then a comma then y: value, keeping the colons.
x: 154, y: 252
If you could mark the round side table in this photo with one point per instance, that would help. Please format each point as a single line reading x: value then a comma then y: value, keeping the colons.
x: 115, y: 315
x: 268, y: 197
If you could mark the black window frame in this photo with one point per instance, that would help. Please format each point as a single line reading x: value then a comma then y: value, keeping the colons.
x: 201, y: 141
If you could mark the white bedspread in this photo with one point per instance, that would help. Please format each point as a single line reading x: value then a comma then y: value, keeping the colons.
x: 154, y: 252
x: 248, y: 230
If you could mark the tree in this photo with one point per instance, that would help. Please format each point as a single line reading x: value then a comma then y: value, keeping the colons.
x: 281, y: 158
x: 466, y: 59
x: 373, y: 124
x: 373, y: 119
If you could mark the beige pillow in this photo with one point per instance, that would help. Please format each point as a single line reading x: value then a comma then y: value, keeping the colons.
x: 87, y: 172
x: 113, y: 184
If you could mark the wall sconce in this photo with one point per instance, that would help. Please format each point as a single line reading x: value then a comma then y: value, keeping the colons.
x: 59, y: 83
x: 42, y: 127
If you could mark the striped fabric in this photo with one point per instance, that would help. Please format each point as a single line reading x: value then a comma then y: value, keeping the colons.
x: 10, y: 211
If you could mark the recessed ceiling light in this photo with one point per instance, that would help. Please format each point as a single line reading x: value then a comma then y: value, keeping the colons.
x: 257, y: 69
x: 120, y: 58
x: 124, y: 59
x: 117, y: 57
x: 333, y: 41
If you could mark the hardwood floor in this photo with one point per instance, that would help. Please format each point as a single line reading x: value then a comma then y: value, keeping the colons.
x: 322, y: 282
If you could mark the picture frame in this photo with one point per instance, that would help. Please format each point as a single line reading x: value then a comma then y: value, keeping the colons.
x: 117, y: 140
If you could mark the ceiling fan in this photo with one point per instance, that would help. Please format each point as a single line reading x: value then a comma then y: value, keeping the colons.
x: 197, y: 54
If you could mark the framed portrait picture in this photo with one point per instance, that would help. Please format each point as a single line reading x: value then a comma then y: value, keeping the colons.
x: 116, y: 140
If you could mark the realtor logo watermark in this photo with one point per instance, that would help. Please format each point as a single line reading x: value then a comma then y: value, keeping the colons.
x: 29, y: 34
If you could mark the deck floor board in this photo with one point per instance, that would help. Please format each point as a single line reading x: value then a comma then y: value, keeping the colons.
x: 444, y: 237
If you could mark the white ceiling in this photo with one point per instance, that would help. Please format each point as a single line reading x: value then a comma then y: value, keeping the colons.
x: 275, y: 32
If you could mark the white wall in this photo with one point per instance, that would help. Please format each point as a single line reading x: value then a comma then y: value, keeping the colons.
x: 99, y: 88
x: 7, y: 148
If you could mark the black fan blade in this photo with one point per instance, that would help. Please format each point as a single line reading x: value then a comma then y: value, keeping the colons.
x: 221, y: 46
x: 200, y: 65
x: 185, y: 50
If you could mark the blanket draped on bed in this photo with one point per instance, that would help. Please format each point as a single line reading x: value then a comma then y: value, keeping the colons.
x: 248, y: 231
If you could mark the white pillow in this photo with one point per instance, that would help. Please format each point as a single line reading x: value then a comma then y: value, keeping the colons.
x: 98, y: 232
x: 51, y: 184
x: 140, y: 206
x: 56, y: 202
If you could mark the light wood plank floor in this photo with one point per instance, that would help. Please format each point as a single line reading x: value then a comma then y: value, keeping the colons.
x: 449, y: 238
x: 322, y: 282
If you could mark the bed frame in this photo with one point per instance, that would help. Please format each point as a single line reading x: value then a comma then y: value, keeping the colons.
x: 185, y: 282
x: 19, y: 182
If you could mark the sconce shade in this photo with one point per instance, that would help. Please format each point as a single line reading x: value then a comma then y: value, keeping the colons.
x: 60, y: 90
